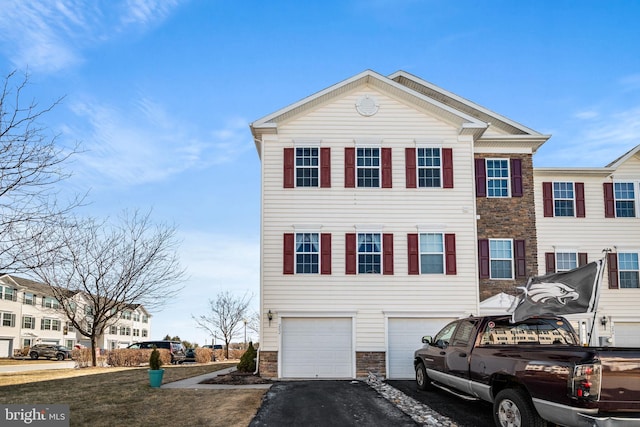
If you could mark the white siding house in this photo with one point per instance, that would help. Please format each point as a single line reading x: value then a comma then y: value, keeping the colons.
x: 582, y: 212
x: 370, y: 222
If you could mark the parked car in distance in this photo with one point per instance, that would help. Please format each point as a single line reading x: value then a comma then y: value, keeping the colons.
x: 213, y: 347
x: 190, y: 355
x: 177, y: 350
x: 50, y: 351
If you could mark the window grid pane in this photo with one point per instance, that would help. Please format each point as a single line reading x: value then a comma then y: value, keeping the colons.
x: 566, y: 261
x: 431, y: 253
x: 563, y: 196
x: 629, y: 270
x: 369, y: 253
x: 368, y: 167
x: 307, y: 169
x: 501, y: 259
x: 497, y: 178
x: 624, y: 193
x: 429, y: 167
x: 307, y: 253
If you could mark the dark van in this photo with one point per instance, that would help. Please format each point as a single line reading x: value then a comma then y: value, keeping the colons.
x: 177, y: 350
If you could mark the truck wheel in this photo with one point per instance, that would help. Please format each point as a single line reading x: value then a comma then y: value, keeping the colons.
x: 60, y: 356
x: 33, y: 355
x: 421, y: 377
x: 513, y: 408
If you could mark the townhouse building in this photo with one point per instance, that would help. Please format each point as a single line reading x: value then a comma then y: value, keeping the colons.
x: 390, y: 206
x: 30, y: 315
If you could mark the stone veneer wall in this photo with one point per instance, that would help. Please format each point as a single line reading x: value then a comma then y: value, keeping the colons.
x: 513, y: 218
x: 268, y: 364
x: 371, y: 361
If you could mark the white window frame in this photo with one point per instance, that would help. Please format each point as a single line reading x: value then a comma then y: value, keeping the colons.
x: 50, y: 302
x: 32, y: 321
x: 363, y: 168
x: 310, y: 167
x: 622, y: 269
x: 145, y: 333
x: 8, y: 293
x: 506, y: 179
x: 426, y: 168
x: 557, y: 197
x: 566, y: 253
x: 379, y: 253
x: 317, y: 253
x: 501, y: 259
x: 426, y: 252
x: 11, y: 318
x: 636, y: 197
x: 29, y: 298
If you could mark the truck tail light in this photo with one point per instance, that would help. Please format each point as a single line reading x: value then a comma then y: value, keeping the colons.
x: 585, y: 381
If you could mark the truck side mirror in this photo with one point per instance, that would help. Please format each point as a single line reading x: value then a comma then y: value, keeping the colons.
x: 426, y: 339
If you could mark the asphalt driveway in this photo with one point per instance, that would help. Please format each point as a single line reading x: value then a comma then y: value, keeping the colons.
x: 327, y: 403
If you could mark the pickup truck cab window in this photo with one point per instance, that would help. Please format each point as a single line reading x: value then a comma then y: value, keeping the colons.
x: 444, y: 336
x: 531, y: 331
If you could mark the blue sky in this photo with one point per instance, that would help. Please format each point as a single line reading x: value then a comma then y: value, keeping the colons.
x: 161, y: 93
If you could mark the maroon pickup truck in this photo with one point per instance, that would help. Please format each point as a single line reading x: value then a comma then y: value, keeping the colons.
x: 533, y: 371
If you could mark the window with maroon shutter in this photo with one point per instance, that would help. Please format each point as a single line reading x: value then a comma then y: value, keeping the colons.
x: 582, y: 259
x: 547, y: 198
x: 387, y: 177
x: 612, y: 265
x: 481, y: 183
x: 289, y: 254
x: 447, y: 168
x: 387, y: 251
x: 289, y: 168
x: 609, y: 201
x: 413, y: 254
x: 351, y: 253
x: 325, y: 253
x: 516, y: 178
x: 483, y: 258
x: 410, y: 167
x: 349, y: 167
x: 450, y: 254
x: 550, y: 262
x: 521, y: 258
x: 325, y: 167
x: 580, y: 209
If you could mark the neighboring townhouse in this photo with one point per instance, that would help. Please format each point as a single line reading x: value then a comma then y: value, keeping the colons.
x: 30, y: 315
x: 389, y: 207
x: 581, y: 212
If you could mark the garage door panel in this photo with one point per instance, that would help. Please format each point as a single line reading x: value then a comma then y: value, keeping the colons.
x: 627, y: 334
x: 316, y: 348
x: 404, y: 338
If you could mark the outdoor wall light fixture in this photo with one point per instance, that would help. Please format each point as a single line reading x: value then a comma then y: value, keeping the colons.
x: 270, y: 316
x: 604, y: 321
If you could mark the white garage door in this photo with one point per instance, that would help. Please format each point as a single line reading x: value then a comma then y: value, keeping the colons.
x: 316, y: 348
x: 627, y: 334
x: 5, y: 346
x: 405, y: 337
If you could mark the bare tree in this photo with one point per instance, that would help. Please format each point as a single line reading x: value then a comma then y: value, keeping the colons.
x: 226, y: 316
x: 98, y: 270
x: 31, y: 164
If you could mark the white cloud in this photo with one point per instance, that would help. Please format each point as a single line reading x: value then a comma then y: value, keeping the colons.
x: 147, y: 143
x: 586, y: 115
x: 49, y: 36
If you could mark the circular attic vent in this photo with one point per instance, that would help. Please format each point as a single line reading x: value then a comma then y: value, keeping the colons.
x: 367, y: 105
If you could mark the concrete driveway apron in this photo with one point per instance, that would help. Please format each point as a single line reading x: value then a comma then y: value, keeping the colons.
x: 327, y: 403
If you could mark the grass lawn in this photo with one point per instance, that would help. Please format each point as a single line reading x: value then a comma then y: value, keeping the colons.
x: 122, y: 396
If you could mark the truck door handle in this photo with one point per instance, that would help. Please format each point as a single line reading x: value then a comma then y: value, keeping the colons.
x: 442, y: 353
x: 462, y: 354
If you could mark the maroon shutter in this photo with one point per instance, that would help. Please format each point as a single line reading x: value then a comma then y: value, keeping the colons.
x: 447, y: 168
x: 325, y: 167
x: 414, y: 256
x: 450, y: 253
x: 580, y: 211
x: 612, y: 263
x: 483, y: 258
x: 521, y: 258
x: 481, y: 179
x: 547, y: 198
x: 387, y: 178
x: 350, y: 253
x: 325, y: 253
x: 387, y: 251
x: 410, y: 167
x: 582, y: 259
x: 349, y: 167
x: 516, y: 178
x: 289, y: 253
x: 609, y: 201
x: 550, y: 262
x: 289, y: 167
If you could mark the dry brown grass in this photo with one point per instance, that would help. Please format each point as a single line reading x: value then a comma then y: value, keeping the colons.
x: 122, y: 396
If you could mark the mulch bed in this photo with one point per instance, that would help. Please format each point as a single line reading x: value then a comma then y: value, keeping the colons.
x: 237, y: 378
